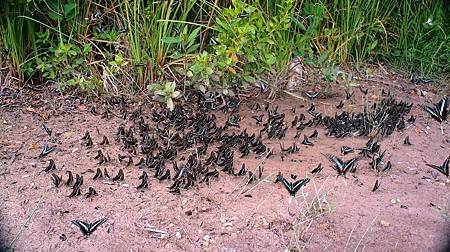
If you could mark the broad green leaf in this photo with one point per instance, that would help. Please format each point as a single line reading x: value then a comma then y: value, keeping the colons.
x: 69, y: 10
x: 171, y: 40
x: 249, y: 78
x: 193, y: 35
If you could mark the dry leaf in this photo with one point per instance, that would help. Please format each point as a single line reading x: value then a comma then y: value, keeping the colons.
x: 418, y: 131
x: 32, y: 146
x: 44, y: 116
x: 68, y: 134
x: 374, y: 97
x: 31, y: 109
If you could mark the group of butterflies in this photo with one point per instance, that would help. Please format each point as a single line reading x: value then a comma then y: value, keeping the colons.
x: 193, y: 129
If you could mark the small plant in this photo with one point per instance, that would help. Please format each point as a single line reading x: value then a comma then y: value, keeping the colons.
x: 166, y: 91
x: 254, y: 42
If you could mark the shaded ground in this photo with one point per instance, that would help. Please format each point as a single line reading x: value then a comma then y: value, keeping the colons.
x: 409, y: 212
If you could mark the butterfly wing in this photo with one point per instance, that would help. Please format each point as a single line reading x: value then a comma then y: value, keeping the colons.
x: 441, y: 108
x: 376, y: 186
x: 432, y: 111
x: 445, y: 166
x: 83, y: 226
x: 286, y: 184
x: 339, y: 164
x: 349, y: 165
x: 93, y: 226
x: 299, y: 184
x: 439, y: 168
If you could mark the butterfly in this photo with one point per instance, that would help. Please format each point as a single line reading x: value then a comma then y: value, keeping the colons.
x: 312, y: 95
x: 346, y: 150
x: 46, y: 150
x: 364, y: 91
x: 388, y: 166
x: 98, y: 174
x: 91, y: 192
x: 376, y: 186
x: 56, y: 180
x: 306, y: 141
x: 443, y: 168
x: 262, y: 87
x: 104, y: 141
x: 440, y: 110
x: 314, y: 134
x: 412, y: 119
x: 165, y: 175
x: 292, y: 187
x: 213, y: 42
x: 255, y: 107
x: 87, y: 140
x: 342, y: 167
x: 51, y: 166
x: 377, y: 159
x: 406, y: 141
x: 105, y: 173
x: 70, y: 178
x: 47, y: 130
x: 88, y: 228
x: 318, y: 169
x: 349, y: 95
x: 75, y: 191
x: 242, y: 171
x: 144, y: 183
x: 294, y: 122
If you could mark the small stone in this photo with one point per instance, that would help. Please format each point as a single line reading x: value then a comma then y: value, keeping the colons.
x: 164, y: 236
x: 393, y: 201
x: 178, y: 235
x: 385, y: 223
x: 206, y: 238
x: 434, y: 174
x: 183, y: 202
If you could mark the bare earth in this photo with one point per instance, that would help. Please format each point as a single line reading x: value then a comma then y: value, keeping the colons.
x: 409, y: 212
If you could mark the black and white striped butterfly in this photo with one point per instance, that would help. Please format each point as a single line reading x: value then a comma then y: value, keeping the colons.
x: 342, y: 167
x: 439, y: 111
x: 292, y: 187
x: 312, y: 95
x: 88, y: 228
x: 46, y: 150
x: 444, y: 168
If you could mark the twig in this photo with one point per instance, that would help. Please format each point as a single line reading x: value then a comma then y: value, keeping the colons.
x: 257, y: 184
x: 348, y: 240
x: 154, y: 230
x: 30, y: 216
x: 365, y: 233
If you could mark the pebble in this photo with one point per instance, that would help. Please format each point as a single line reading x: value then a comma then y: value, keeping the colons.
x: 384, y: 223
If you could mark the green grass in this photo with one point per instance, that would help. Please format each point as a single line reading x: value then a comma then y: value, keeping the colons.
x: 420, y: 43
x: 170, y: 40
x: 16, y: 34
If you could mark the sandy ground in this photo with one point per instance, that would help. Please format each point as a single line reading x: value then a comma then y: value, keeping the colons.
x: 409, y: 212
